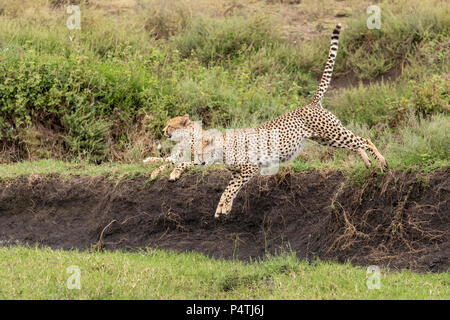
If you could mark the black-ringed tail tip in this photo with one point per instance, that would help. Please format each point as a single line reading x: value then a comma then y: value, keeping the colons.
x: 328, y: 71
x: 337, y: 30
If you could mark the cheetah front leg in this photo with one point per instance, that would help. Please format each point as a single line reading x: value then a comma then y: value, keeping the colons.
x: 176, y: 173
x: 162, y: 168
x: 155, y: 159
x: 240, y: 176
x: 157, y: 171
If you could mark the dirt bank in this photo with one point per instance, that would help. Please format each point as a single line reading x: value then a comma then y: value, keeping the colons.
x: 400, y: 219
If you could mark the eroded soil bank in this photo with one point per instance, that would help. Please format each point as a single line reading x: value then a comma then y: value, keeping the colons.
x: 400, y: 219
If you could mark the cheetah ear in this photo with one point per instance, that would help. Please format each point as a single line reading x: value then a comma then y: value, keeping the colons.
x: 186, y: 120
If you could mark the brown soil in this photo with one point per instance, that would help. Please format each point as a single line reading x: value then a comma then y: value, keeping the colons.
x: 400, y: 219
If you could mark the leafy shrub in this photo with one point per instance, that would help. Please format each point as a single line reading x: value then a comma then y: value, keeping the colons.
x: 285, y: 65
x: 405, y: 25
x: 432, y: 96
x: 95, y: 87
x: 211, y: 40
x: 424, y: 142
x: 382, y: 104
x: 87, y: 136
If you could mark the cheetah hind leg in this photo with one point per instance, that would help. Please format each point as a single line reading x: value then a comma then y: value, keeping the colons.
x: 360, y: 151
x: 240, y: 176
x: 370, y: 147
x: 364, y: 157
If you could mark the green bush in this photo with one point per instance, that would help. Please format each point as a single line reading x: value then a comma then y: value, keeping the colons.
x: 53, y: 90
x: 405, y: 26
x: 387, y: 104
x: 382, y: 104
x: 431, y: 96
x: 212, y: 40
x: 87, y: 136
x: 127, y: 71
x: 424, y: 143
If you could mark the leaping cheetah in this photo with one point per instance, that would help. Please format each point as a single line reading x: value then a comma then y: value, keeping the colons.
x: 194, y: 134
x: 244, y: 155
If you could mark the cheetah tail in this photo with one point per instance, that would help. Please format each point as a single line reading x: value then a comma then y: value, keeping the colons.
x: 326, y: 76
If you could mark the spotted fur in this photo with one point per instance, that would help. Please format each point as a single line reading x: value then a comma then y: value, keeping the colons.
x: 194, y: 133
x: 241, y: 150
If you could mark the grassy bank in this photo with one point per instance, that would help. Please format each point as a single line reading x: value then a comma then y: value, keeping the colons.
x: 31, y: 273
x: 103, y: 93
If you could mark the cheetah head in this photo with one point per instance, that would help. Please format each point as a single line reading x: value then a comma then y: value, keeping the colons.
x: 181, y: 122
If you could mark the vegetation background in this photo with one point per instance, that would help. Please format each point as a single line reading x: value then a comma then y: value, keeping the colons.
x: 103, y: 93
x: 94, y: 101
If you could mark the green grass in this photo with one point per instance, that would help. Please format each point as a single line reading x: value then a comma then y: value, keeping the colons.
x: 32, y: 273
x: 67, y: 169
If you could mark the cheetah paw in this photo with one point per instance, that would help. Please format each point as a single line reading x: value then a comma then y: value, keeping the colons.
x: 157, y: 171
x: 383, y: 165
x: 223, y: 209
x: 151, y: 159
x: 154, y: 174
x: 174, y: 175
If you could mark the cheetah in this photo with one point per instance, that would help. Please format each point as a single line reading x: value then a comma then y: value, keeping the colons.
x: 245, y: 151
x: 193, y: 134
